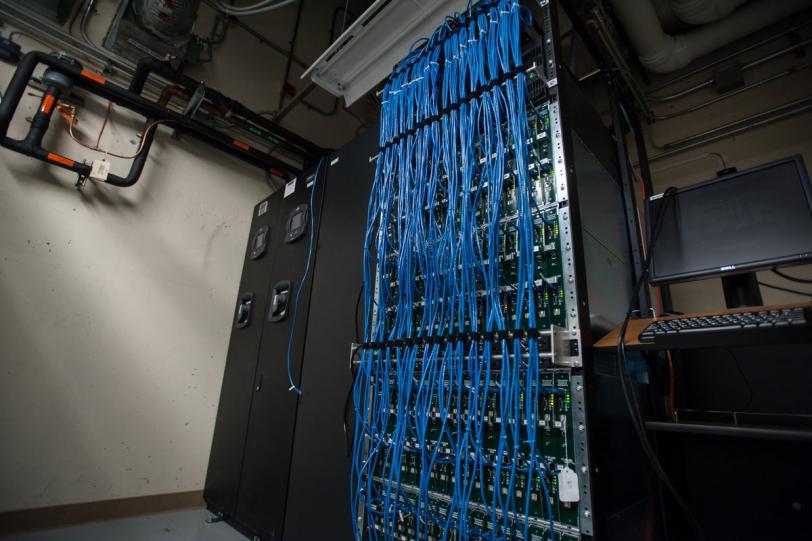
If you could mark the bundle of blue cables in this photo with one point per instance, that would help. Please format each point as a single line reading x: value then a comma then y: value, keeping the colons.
x: 452, y: 144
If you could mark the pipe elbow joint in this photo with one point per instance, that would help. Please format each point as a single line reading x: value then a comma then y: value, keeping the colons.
x: 676, y: 53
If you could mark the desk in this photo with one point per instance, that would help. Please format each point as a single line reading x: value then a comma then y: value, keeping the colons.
x: 636, y: 326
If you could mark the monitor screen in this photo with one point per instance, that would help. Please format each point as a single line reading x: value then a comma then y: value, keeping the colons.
x: 745, y: 221
x: 297, y: 220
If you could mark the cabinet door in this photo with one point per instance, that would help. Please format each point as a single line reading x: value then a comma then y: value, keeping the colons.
x: 320, y: 467
x: 269, y: 441
x: 225, y: 460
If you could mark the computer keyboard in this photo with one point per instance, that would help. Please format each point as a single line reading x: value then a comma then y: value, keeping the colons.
x: 740, y: 328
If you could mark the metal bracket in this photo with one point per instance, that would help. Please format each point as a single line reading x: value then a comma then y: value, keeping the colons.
x: 565, y: 224
x: 566, y: 348
x: 80, y: 182
x: 354, y: 349
x: 581, y: 453
x: 214, y: 518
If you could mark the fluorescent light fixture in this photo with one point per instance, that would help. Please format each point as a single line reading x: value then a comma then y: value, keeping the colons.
x: 366, y: 52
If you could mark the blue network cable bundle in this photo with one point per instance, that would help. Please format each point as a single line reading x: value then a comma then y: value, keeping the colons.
x: 469, y: 403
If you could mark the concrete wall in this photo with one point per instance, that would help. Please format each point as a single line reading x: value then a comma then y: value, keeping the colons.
x: 117, y: 303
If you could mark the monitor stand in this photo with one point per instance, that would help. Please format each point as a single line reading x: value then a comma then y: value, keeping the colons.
x: 741, y: 290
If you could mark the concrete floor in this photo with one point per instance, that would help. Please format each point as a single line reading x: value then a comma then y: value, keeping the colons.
x: 176, y: 526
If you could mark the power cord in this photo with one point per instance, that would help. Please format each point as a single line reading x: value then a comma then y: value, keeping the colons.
x: 352, y: 373
x: 628, y: 390
x: 792, y: 278
x: 746, y: 406
x: 293, y: 387
x: 788, y: 290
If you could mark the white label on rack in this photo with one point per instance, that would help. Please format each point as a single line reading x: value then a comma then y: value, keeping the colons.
x: 290, y: 187
x: 568, y: 485
x: 263, y: 208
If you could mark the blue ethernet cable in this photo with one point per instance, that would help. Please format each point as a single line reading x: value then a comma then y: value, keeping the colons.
x: 293, y: 387
x: 445, y: 259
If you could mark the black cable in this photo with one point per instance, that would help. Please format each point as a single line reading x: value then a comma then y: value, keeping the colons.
x: 744, y: 377
x: 352, y: 385
x: 357, y: 305
x: 792, y: 278
x: 788, y: 290
x: 347, y: 439
x: 628, y: 392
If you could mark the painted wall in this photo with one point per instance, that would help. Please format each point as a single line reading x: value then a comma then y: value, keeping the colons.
x: 117, y: 303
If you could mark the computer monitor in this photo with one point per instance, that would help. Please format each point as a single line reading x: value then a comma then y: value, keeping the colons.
x: 755, y: 219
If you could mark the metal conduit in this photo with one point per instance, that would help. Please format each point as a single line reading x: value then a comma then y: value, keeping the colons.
x: 735, y: 127
x: 745, y: 67
x: 731, y: 56
x: 756, y: 84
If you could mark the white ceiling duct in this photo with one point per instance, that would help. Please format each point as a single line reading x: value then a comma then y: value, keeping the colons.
x: 663, y: 53
x: 698, y: 12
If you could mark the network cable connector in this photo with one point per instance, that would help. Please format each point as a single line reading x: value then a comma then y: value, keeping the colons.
x: 470, y: 421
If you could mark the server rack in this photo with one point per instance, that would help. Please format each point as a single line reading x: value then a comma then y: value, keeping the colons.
x: 292, y: 454
x: 600, y: 251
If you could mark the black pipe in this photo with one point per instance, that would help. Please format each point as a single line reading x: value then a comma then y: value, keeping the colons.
x: 290, y: 140
x: 97, y: 85
x: 290, y: 53
x: 265, y: 41
x: 296, y: 100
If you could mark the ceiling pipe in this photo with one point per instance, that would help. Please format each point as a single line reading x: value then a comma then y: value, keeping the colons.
x: 699, y: 12
x: 662, y: 53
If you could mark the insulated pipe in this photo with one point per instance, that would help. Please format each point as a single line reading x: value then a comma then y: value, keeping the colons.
x: 97, y: 85
x: 298, y: 144
x: 699, y: 12
x: 663, y: 53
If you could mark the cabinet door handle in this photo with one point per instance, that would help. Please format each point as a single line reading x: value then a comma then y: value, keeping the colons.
x: 244, y: 306
x: 279, y: 301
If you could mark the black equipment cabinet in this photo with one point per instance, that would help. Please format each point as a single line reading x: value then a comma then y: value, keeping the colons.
x: 321, y: 462
x: 225, y: 460
x: 246, y: 483
x: 276, y: 454
x: 268, y: 442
